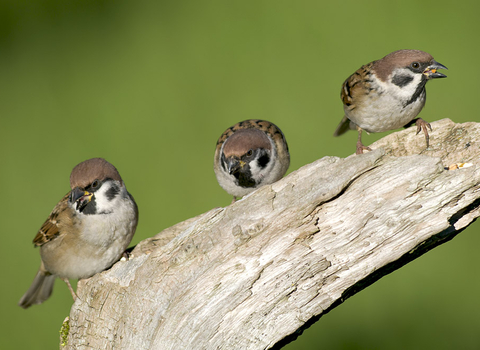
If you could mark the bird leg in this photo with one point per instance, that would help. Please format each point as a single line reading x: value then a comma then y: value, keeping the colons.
x: 74, y: 295
x: 360, y: 146
x: 423, y: 125
x: 234, y: 200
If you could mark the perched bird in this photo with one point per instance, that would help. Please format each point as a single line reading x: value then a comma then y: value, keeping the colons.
x: 87, y: 231
x: 250, y: 154
x: 388, y: 94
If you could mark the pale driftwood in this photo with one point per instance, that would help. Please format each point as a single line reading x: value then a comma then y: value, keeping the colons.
x: 250, y: 275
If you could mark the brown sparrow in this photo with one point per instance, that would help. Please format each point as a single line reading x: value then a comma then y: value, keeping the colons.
x: 87, y: 231
x: 388, y: 94
x: 250, y: 154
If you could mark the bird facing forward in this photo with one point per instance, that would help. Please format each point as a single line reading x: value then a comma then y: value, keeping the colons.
x: 388, y: 94
x: 87, y: 231
x: 250, y: 154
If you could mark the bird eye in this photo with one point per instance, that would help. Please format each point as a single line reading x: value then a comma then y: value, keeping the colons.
x: 249, y: 153
x: 415, y: 65
x: 95, y: 184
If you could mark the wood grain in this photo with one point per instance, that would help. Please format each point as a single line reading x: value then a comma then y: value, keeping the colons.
x: 254, y: 274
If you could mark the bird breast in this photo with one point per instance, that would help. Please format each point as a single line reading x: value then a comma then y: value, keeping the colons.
x: 386, y: 107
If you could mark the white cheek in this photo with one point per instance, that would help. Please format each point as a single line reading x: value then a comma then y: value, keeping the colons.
x: 257, y: 172
x: 104, y: 204
x: 113, y: 219
x: 260, y: 174
x: 406, y: 91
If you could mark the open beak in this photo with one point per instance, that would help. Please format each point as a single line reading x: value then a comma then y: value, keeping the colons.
x: 432, y: 70
x: 234, y: 165
x: 81, y: 197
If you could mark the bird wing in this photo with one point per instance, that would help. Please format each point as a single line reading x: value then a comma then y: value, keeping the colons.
x: 50, y: 228
x: 352, y: 90
x: 353, y: 87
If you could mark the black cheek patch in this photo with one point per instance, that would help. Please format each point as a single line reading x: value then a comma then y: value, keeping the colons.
x: 112, y: 192
x: 263, y: 161
x: 402, y: 80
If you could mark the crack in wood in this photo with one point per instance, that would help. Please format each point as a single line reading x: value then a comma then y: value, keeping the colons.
x: 305, y: 245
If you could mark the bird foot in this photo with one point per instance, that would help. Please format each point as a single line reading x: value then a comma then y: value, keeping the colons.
x: 126, y: 255
x: 361, y: 148
x: 422, y: 125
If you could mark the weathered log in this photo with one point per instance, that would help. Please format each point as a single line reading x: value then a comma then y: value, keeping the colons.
x: 254, y: 274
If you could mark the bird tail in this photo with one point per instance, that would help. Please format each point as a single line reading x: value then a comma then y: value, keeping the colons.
x: 345, y: 125
x: 39, y: 291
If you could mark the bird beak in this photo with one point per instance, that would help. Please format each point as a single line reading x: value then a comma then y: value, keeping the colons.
x: 234, y: 165
x: 81, y: 197
x: 431, y: 71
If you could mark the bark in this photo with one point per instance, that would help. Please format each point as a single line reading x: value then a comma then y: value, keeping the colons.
x: 253, y: 275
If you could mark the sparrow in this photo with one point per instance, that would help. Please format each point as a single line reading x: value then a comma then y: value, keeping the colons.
x: 87, y: 231
x: 388, y: 94
x: 250, y: 154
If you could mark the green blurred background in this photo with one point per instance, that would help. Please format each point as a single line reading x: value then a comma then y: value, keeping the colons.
x: 151, y: 85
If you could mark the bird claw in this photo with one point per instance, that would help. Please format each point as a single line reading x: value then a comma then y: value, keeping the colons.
x: 361, y: 148
x: 126, y: 255
x: 422, y: 125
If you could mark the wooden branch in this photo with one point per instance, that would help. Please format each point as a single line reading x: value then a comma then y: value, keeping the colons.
x: 253, y: 274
